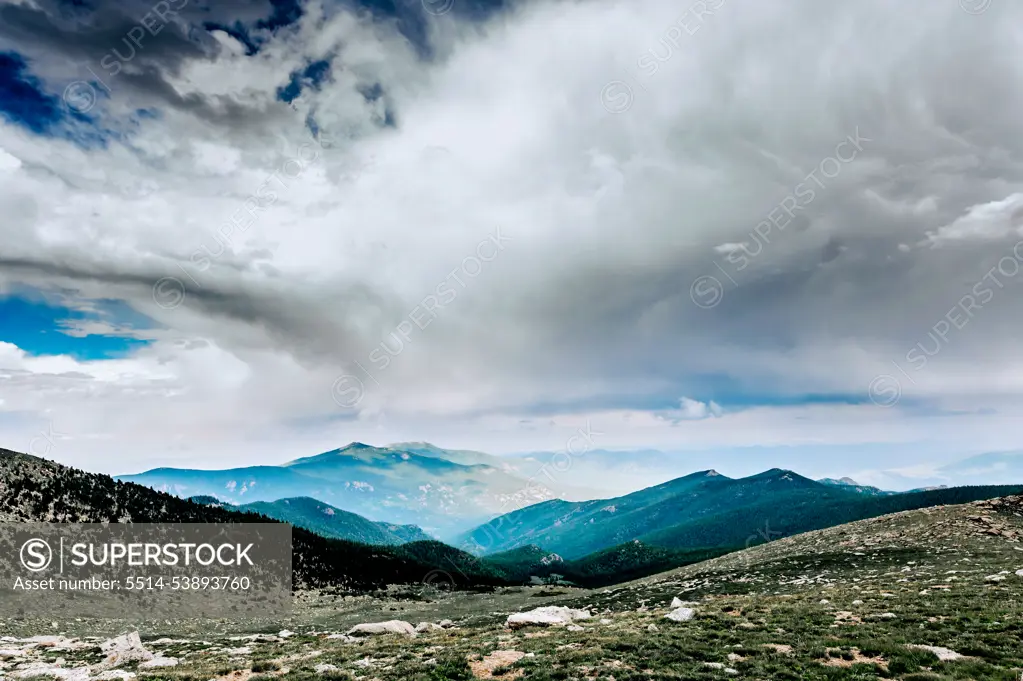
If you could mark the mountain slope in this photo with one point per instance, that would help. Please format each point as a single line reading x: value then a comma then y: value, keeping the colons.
x: 415, y: 486
x: 571, y: 528
x: 32, y: 489
x: 328, y: 521
x: 700, y: 511
x: 849, y: 483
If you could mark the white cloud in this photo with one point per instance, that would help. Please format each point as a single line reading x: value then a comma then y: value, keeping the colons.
x: 587, y: 313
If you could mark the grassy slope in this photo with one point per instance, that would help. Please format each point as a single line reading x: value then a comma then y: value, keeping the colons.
x: 841, y: 604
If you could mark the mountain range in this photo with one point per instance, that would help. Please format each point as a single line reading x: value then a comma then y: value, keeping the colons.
x: 443, y: 491
x: 326, y: 520
x: 702, y: 510
x: 592, y: 543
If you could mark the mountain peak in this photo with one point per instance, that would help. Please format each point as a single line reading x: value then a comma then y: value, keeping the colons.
x: 840, y: 481
x: 354, y: 446
x: 779, y: 474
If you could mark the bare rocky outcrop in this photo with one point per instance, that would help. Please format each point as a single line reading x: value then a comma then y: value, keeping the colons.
x: 382, y: 628
x: 551, y: 615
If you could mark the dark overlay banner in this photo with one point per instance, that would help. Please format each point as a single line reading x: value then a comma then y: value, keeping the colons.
x: 163, y: 570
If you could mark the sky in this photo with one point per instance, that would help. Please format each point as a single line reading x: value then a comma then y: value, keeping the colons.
x: 243, y: 232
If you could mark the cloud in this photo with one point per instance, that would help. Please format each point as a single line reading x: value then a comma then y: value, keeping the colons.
x: 395, y: 160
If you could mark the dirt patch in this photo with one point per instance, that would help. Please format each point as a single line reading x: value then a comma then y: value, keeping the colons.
x: 779, y: 648
x: 857, y: 658
x: 484, y: 669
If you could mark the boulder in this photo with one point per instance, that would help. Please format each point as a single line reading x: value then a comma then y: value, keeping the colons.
x: 123, y: 650
x: 159, y: 661
x: 324, y: 668
x: 428, y: 626
x: 680, y: 615
x: 115, y: 675
x: 380, y: 628
x: 944, y: 654
x: 549, y: 615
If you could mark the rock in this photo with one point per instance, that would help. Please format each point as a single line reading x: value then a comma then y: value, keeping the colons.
x: 235, y: 652
x: 718, y: 665
x: 447, y: 624
x: 1019, y: 573
x: 652, y: 627
x: 380, y: 628
x: 428, y: 626
x: 43, y: 669
x: 340, y: 637
x: 324, y: 668
x: 159, y: 661
x: 10, y: 653
x: 114, y: 675
x: 680, y: 615
x: 605, y: 621
x: 575, y: 627
x: 284, y: 633
x: 549, y: 615
x: 944, y: 654
x: 676, y: 602
x: 824, y: 601
x: 123, y: 650
x: 857, y: 602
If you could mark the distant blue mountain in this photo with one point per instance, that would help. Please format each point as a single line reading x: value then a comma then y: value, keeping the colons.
x: 416, y: 484
x: 326, y: 520
x: 703, y: 510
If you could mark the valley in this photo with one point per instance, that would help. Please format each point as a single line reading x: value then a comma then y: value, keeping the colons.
x: 930, y: 594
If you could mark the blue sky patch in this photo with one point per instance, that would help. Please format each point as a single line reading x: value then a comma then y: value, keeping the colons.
x: 86, y: 329
x: 25, y: 102
x: 312, y: 76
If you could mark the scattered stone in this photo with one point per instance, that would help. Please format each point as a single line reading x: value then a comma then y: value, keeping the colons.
x: 944, y: 654
x: 284, y: 633
x: 605, y: 621
x: 324, y: 668
x: 550, y: 615
x: 652, y: 628
x: 114, y: 675
x: 676, y: 602
x: 381, y: 628
x: 994, y: 578
x: 680, y: 615
x: 428, y: 626
x: 447, y: 624
x: 575, y: 627
x: 43, y: 669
